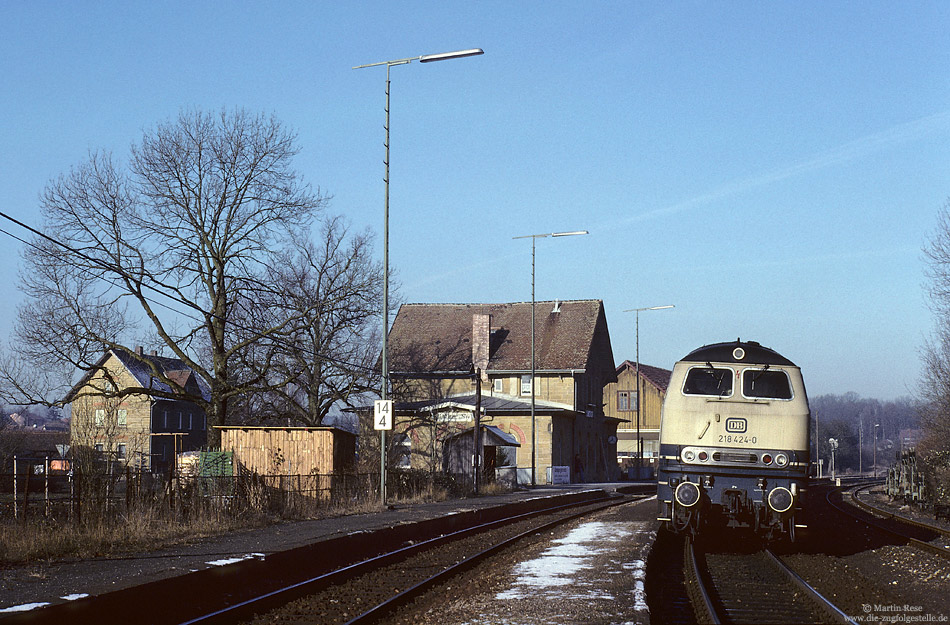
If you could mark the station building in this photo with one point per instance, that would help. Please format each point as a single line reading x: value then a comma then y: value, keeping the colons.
x: 446, y: 359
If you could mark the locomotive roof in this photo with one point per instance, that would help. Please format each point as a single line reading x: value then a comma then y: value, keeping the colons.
x: 725, y: 352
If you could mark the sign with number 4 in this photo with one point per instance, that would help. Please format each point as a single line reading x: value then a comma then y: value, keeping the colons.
x: 383, y: 414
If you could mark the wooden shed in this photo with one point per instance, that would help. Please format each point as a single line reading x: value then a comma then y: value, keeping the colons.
x: 458, y: 454
x: 290, y: 450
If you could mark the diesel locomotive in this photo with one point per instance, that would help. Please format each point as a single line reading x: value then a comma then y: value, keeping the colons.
x: 734, y: 441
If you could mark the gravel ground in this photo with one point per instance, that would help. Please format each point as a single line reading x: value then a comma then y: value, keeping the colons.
x: 877, y: 497
x: 589, y: 571
x: 868, y: 574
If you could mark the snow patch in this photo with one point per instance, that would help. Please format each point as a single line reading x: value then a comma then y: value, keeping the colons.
x: 25, y: 607
x: 556, y: 567
x: 227, y: 561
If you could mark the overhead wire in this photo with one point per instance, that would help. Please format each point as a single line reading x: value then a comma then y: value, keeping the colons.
x: 122, y: 272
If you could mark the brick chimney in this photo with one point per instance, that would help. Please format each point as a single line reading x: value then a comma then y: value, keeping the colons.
x: 481, y: 342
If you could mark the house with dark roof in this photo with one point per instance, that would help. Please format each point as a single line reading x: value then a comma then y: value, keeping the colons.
x: 637, y: 406
x: 139, y: 409
x: 435, y: 350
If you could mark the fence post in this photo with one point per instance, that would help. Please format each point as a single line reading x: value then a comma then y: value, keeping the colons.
x: 46, y: 486
x: 15, y: 494
x: 70, y: 475
x: 26, y: 492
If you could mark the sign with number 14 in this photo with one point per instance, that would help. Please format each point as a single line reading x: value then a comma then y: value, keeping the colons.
x: 383, y: 414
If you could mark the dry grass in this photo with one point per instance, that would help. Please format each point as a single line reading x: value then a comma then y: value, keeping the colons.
x: 146, y: 528
x: 141, y: 530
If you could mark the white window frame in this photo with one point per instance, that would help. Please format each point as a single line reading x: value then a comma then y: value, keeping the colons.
x: 100, y: 417
x: 526, y: 384
x: 122, y: 417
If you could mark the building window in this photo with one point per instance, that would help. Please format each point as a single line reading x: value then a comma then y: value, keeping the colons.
x: 100, y: 417
x: 165, y: 420
x: 191, y: 421
x: 99, y: 447
x: 122, y: 417
x: 526, y: 385
x: 627, y: 401
x: 499, y: 385
x: 122, y: 448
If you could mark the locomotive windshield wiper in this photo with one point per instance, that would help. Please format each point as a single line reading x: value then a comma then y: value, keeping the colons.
x: 722, y: 392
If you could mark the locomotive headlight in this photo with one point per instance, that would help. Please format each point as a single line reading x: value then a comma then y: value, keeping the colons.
x: 780, y: 499
x: 687, y: 494
x: 766, y: 458
x: 781, y: 460
x: 689, y: 455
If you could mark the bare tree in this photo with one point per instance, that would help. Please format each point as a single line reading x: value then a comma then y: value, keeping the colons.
x: 935, y: 383
x: 176, y: 245
x: 331, y: 287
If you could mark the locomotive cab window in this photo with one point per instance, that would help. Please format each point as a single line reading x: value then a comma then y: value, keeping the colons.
x: 766, y: 384
x: 708, y: 381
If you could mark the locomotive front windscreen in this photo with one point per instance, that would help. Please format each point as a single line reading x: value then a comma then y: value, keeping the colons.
x: 766, y: 384
x: 708, y: 381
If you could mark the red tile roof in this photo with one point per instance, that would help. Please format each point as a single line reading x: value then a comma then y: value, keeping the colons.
x: 656, y: 376
x: 438, y: 337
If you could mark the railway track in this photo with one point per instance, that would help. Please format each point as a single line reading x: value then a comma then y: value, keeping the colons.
x: 924, y: 536
x: 228, y: 594
x: 887, y: 514
x: 369, y: 590
x: 752, y: 586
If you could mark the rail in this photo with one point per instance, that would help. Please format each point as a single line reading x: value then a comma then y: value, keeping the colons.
x: 274, y: 599
x: 877, y: 510
x: 756, y: 587
x: 939, y: 550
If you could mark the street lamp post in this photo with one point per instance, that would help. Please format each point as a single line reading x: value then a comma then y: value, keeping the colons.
x: 534, y: 238
x: 384, y: 360
x: 640, y: 440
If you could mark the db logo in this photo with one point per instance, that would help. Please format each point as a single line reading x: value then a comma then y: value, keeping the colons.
x: 735, y: 424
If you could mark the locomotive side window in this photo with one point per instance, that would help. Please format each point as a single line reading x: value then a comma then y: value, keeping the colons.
x: 766, y: 384
x: 708, y: 381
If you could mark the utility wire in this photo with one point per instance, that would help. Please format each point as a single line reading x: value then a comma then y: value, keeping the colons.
x: 122, y: 272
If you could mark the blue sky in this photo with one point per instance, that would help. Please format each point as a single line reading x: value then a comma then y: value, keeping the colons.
x: 772, y: 169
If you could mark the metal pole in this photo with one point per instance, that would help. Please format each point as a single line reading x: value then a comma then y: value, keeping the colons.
x: 639, y: 462
x: 860, y: 446
x: 533, y: 470
x: 476, y: 441
x: 876, y: 426
x: 639, y: 440
x: 384, y: 360
x: 534, y: 238
x: 384, y: 363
